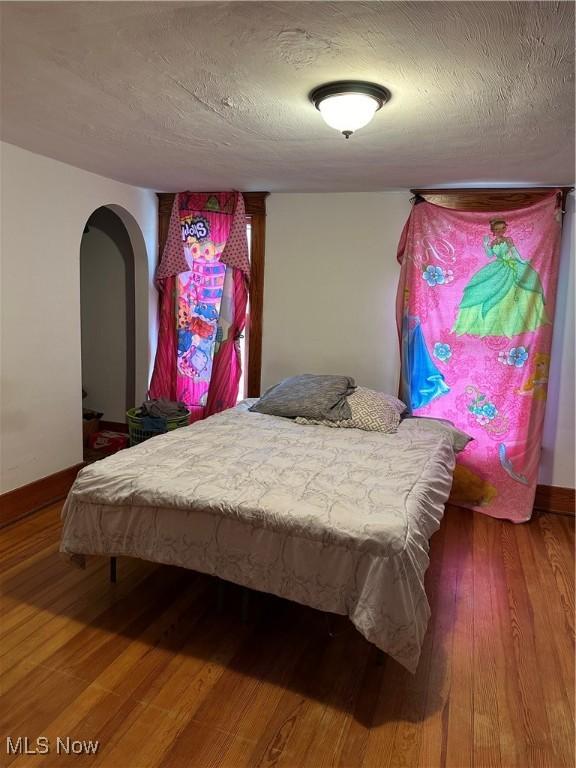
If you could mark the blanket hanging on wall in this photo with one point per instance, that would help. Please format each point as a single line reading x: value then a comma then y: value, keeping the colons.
x: 474, y: 309
x: 202, y: 280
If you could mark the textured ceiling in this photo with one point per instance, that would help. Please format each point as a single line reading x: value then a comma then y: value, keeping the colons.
x: 214, y: 95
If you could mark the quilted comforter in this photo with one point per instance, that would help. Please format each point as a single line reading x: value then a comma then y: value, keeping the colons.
x: 339, y: 520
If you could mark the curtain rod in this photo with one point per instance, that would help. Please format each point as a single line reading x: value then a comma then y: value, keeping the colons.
x: 491, y: 190
x: 488, y: 198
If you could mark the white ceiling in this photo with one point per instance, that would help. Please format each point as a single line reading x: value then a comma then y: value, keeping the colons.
x: 211, y: 95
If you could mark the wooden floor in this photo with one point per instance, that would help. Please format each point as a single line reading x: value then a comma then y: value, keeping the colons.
x: 158, y: 675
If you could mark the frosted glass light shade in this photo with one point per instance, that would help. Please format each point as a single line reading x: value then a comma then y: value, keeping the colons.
x: 347, y: 105
x: 347, y: 112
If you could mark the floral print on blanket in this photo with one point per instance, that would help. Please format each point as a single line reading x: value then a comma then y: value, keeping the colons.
x: 474, y: 309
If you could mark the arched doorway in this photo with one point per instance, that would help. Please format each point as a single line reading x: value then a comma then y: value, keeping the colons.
x: 108, y: 324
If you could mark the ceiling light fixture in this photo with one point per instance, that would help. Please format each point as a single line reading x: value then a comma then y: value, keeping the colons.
x: 347, y: 105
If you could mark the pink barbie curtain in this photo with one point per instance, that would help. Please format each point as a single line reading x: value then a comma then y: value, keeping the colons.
x: 202, y: 279
x: 475, y: 307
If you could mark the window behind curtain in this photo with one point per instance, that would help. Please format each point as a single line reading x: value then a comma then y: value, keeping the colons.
x: 243, y: 345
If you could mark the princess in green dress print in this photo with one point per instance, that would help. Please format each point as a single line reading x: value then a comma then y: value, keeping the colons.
x: 505, y: 297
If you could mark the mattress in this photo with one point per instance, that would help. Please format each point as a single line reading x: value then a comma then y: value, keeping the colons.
x: 336, y: 519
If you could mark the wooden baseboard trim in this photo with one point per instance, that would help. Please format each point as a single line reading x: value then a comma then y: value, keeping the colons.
x: 554, y: 498
x: 114, y: 426
x: 34, y: 496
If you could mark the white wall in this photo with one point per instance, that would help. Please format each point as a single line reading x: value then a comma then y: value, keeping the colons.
x: 330, y: 286
x: 104, y: 331
x: 44, y: 207
x: 329, y: 303
x: 557, y: 467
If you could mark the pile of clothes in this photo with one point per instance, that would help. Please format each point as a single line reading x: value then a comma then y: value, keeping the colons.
x: 156, y: 413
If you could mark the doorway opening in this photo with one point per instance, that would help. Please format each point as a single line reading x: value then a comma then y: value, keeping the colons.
x: 108, y: 326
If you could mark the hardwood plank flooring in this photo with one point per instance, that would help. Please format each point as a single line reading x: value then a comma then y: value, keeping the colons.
x: 158, y: 675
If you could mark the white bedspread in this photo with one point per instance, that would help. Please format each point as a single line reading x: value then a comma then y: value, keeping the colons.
x: 337, y: 519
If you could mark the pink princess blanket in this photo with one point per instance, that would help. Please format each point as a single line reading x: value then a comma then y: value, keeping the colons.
x: 474, y: 309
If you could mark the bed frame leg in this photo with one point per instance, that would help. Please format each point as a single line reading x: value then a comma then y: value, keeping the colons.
x: 329, y: 621
x: 113, y: 576
x: 220, y: 596
x: 245, y: 605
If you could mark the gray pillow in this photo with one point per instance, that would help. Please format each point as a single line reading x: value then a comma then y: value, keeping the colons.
x: 459, y: 439
x: 309, y: 395
x: 371, y: 411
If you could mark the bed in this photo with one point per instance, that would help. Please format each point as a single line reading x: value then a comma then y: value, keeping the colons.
x: 336, y: 519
